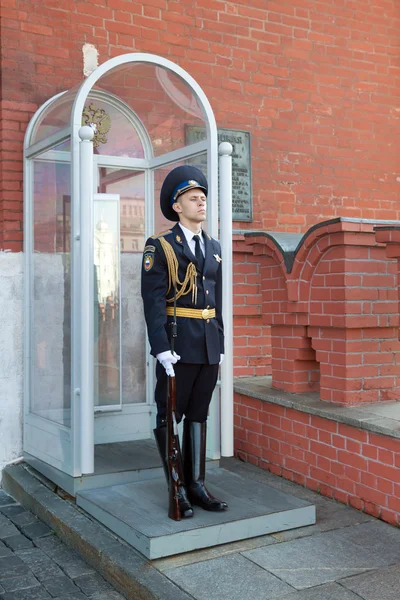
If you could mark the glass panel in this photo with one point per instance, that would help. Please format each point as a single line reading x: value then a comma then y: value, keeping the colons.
x: 57, y: 116
x: 64, y: 146
x: 51, y: 312
x: 107, y: 326
x: 130, y: 186
x: 162, y: 101
x: 160, y: 222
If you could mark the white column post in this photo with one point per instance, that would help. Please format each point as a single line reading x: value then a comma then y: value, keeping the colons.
x: 86, y: 135
x: 225, y: 202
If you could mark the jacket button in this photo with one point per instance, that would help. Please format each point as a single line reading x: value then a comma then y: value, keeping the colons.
x: 206, y: 291
x: 204, y: 278
x: 208, y: 320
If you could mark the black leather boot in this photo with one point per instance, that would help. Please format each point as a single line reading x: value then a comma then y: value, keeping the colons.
x: 194, y: 457
x: 160, y: 434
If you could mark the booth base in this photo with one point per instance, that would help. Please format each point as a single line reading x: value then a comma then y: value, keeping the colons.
x: 137, y: 513
x: 114, y: 464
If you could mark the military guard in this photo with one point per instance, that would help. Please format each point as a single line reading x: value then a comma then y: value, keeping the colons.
x: 185, y: 262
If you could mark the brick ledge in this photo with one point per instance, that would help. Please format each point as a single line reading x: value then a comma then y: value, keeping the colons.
x: 382, y: 418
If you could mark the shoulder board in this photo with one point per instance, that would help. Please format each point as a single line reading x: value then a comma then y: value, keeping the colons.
x: 158, y: 235
x: 210, y: 238
x: 213, y: 241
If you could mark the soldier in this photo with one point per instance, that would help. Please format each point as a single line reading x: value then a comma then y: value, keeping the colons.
x: 187, y: 259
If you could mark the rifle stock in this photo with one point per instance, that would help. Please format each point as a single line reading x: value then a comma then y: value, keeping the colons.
x: 172, y: 453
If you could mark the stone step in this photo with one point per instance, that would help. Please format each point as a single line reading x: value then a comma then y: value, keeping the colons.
x: 137, y: 512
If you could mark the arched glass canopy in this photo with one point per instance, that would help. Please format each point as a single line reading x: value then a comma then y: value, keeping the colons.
x: 89, y: 206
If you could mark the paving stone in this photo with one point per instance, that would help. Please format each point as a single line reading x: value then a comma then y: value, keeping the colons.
x: 230, y: 577
x: 92, y: 584
x: 5, y: 499
x: 49, y: 544
x: 12, y: 566
x: 329, y: 591
x: 58, y: 586
x: 14, y: 509
x: 36, y: 530
x: 4, y: 551
x: 382, y: 584
x: 18, y: 542
x: 330, y: 516
x: 78, y: 568
x: 326, y: 557
x: 111, y: 595
x: 74, y: 596
x: 67, y: 559
x: 35, y: 593
x: 19, y: 583
x: 40, y: 564
x: 6, y: 528
x: 71, y: 564
x: 23, y: 518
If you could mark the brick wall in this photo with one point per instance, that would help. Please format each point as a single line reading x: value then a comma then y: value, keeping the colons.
x: 353, y: 466
x: 316, y: 83
x: 251, y: 337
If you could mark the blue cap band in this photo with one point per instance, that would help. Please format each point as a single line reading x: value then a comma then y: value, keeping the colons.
x: 183, y: 187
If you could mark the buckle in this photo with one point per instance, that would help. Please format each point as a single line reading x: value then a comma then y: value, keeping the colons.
x: 205, y: 313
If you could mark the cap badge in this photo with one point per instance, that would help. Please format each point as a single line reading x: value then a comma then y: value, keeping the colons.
x: 193, y: 182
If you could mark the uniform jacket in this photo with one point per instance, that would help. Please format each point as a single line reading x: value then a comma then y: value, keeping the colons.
x: 199, y: 340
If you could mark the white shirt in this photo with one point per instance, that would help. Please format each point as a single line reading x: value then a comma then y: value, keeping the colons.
x: 191, y: 242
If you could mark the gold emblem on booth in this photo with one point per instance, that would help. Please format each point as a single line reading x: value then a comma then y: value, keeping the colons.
x: 99, y: 120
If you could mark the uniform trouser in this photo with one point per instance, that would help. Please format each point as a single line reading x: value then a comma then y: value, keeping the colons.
x: 194, y: 387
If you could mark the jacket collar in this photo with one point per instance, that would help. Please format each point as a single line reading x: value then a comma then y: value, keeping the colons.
x: 180, y: 240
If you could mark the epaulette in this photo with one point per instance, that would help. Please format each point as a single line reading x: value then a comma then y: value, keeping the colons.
x: 158, y: 235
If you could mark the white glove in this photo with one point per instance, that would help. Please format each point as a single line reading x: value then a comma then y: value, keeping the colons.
x: 221, y: 358
x: 167, y: 359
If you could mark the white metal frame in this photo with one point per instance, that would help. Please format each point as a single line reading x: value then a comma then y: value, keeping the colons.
x: 82, y: 363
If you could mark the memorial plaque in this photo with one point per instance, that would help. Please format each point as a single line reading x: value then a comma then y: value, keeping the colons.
x: 241, y: 166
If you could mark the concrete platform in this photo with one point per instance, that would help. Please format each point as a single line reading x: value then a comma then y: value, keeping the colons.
x: 137, y: 512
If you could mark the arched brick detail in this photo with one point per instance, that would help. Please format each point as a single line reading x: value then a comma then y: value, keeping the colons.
x: 334, y: 311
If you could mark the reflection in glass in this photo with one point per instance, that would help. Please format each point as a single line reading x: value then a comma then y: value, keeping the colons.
x: 107, y: 331
x: 56, y: 117
x: 162, y: 101
x: 130, y: 186
x: 51, y: 303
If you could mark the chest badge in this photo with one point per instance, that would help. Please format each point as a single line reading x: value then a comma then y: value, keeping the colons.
x: 217, y: 258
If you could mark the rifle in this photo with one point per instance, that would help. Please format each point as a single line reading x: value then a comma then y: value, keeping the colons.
x: 173, y: 451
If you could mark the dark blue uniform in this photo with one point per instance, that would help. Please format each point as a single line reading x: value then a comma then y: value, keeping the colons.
x: 171, y: 269
x: 200, y: 341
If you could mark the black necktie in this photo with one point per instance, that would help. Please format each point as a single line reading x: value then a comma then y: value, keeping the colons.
x: 198, y: 253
